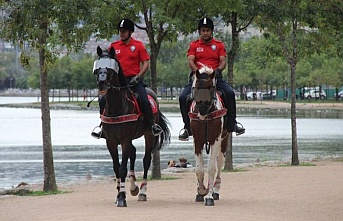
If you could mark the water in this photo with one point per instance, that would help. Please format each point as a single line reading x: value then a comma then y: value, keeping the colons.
x: 76, y: 153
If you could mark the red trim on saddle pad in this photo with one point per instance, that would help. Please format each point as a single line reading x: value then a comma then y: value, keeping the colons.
x: 129, y: 117
x: 119, y: 119
x: 153, y: 104
x: 213, y: 115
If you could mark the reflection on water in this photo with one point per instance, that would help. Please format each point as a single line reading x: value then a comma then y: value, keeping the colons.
x: 76, y: 153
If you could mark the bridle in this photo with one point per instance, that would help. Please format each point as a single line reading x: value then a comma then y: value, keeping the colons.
x: 104, y: 69
x: 204, y: 94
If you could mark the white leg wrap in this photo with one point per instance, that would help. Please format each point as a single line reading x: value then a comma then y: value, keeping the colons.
x: 144, y: 187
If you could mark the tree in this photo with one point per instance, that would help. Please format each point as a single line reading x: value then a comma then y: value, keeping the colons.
x: 238, y: 14
x: 294, y: 23
x: 45, y: 26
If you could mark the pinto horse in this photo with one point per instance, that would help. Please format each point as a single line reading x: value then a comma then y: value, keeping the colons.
x: 122, y: 122
x: 207, y: 113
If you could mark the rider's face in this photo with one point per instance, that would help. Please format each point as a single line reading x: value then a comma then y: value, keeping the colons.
x: 205, y: 33
x: 124, y: 34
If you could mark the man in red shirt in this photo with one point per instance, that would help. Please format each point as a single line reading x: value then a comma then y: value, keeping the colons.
x: 212, y: 53
x: 134, y: 60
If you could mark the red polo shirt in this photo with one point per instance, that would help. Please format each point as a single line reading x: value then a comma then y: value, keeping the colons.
x: 130, y: 56
x: 207, y: 53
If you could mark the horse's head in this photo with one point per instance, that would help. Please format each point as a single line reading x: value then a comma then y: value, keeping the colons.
x: 204, y: 89
x: 107, y: 71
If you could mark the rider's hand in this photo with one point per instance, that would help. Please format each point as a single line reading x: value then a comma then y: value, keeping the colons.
x: 135, y: 80
x: 218, y: 73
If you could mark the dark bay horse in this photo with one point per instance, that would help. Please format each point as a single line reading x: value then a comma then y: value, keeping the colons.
x: 123, y: 122
x: 207, y: 124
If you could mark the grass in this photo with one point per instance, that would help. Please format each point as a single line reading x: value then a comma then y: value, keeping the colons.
x: 339, y: 159
x: 40, y: 193
x: 235, y: 170
x: 306, y: 164
x: 140, y: 178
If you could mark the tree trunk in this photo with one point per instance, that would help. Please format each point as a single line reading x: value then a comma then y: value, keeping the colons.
x: 228, y: 154
x: 232, y: 53
x: 48, y: 162
x: 156, y: 166
x: 295, y: 157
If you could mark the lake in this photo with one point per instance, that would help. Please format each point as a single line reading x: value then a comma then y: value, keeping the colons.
x: 76, y: 153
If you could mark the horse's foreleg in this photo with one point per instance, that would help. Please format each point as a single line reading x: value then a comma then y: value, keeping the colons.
x: 132, y: 177
x: 133, y: 186
x: 199, y: 171
x: 216, y: 185
x: 112, y: 147
x: 144, y: 184
x: 211, y: 170
x: 121, y: 197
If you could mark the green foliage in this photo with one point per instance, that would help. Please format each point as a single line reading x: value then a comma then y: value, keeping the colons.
x: 258, y: 61
x: 42, y: 193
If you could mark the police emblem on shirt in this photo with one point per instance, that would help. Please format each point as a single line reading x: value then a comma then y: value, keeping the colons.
x: 132, y: 48
x: 213, y: 47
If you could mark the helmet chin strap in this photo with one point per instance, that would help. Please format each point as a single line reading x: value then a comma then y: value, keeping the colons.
x: 126, y: 38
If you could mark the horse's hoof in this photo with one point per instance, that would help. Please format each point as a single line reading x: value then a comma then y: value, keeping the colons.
x: 135, y: 191
x: 199, y: 198
x: 121, y: 199
x: 121, y: 203
x: 209, y: 202
x: 215, y: 196
x: 142, y: 197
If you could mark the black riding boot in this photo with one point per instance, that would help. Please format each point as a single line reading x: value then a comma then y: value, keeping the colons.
x: 156, y: 130
x: 186, y: 131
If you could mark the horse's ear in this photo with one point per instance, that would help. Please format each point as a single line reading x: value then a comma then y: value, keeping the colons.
x: 112, y: 52
x: 197, y: 74
x: 212, y: 74
x: 99, y: 51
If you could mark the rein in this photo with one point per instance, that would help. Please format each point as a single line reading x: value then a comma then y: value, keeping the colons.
x: 207, y: 144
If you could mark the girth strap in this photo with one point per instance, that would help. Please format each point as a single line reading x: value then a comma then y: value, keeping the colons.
x: 119, y: 119
x: 210, y: 116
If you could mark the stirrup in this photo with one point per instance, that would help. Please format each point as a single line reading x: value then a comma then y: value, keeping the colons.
x: 157, y: 127
x: 96, y: 135
x: 241, y: 128
x: 183, y: 135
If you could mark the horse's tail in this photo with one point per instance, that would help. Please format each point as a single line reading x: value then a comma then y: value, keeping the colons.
x: 164, y: 139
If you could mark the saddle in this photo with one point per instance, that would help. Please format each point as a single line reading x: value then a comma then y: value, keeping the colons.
x: 152, y: 97
x: 194, y: 112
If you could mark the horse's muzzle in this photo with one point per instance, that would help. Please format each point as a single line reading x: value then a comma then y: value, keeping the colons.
x: 102, y: 87
x: 102, y: 92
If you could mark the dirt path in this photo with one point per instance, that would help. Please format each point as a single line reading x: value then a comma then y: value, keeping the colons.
x: 260, y: 193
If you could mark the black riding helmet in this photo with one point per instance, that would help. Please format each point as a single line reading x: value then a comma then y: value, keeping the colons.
x: 126, y: 24
x: 205, y: 22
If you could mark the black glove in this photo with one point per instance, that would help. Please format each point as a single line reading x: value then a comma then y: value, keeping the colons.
x: 218, y: 73
x: 135, y: 80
